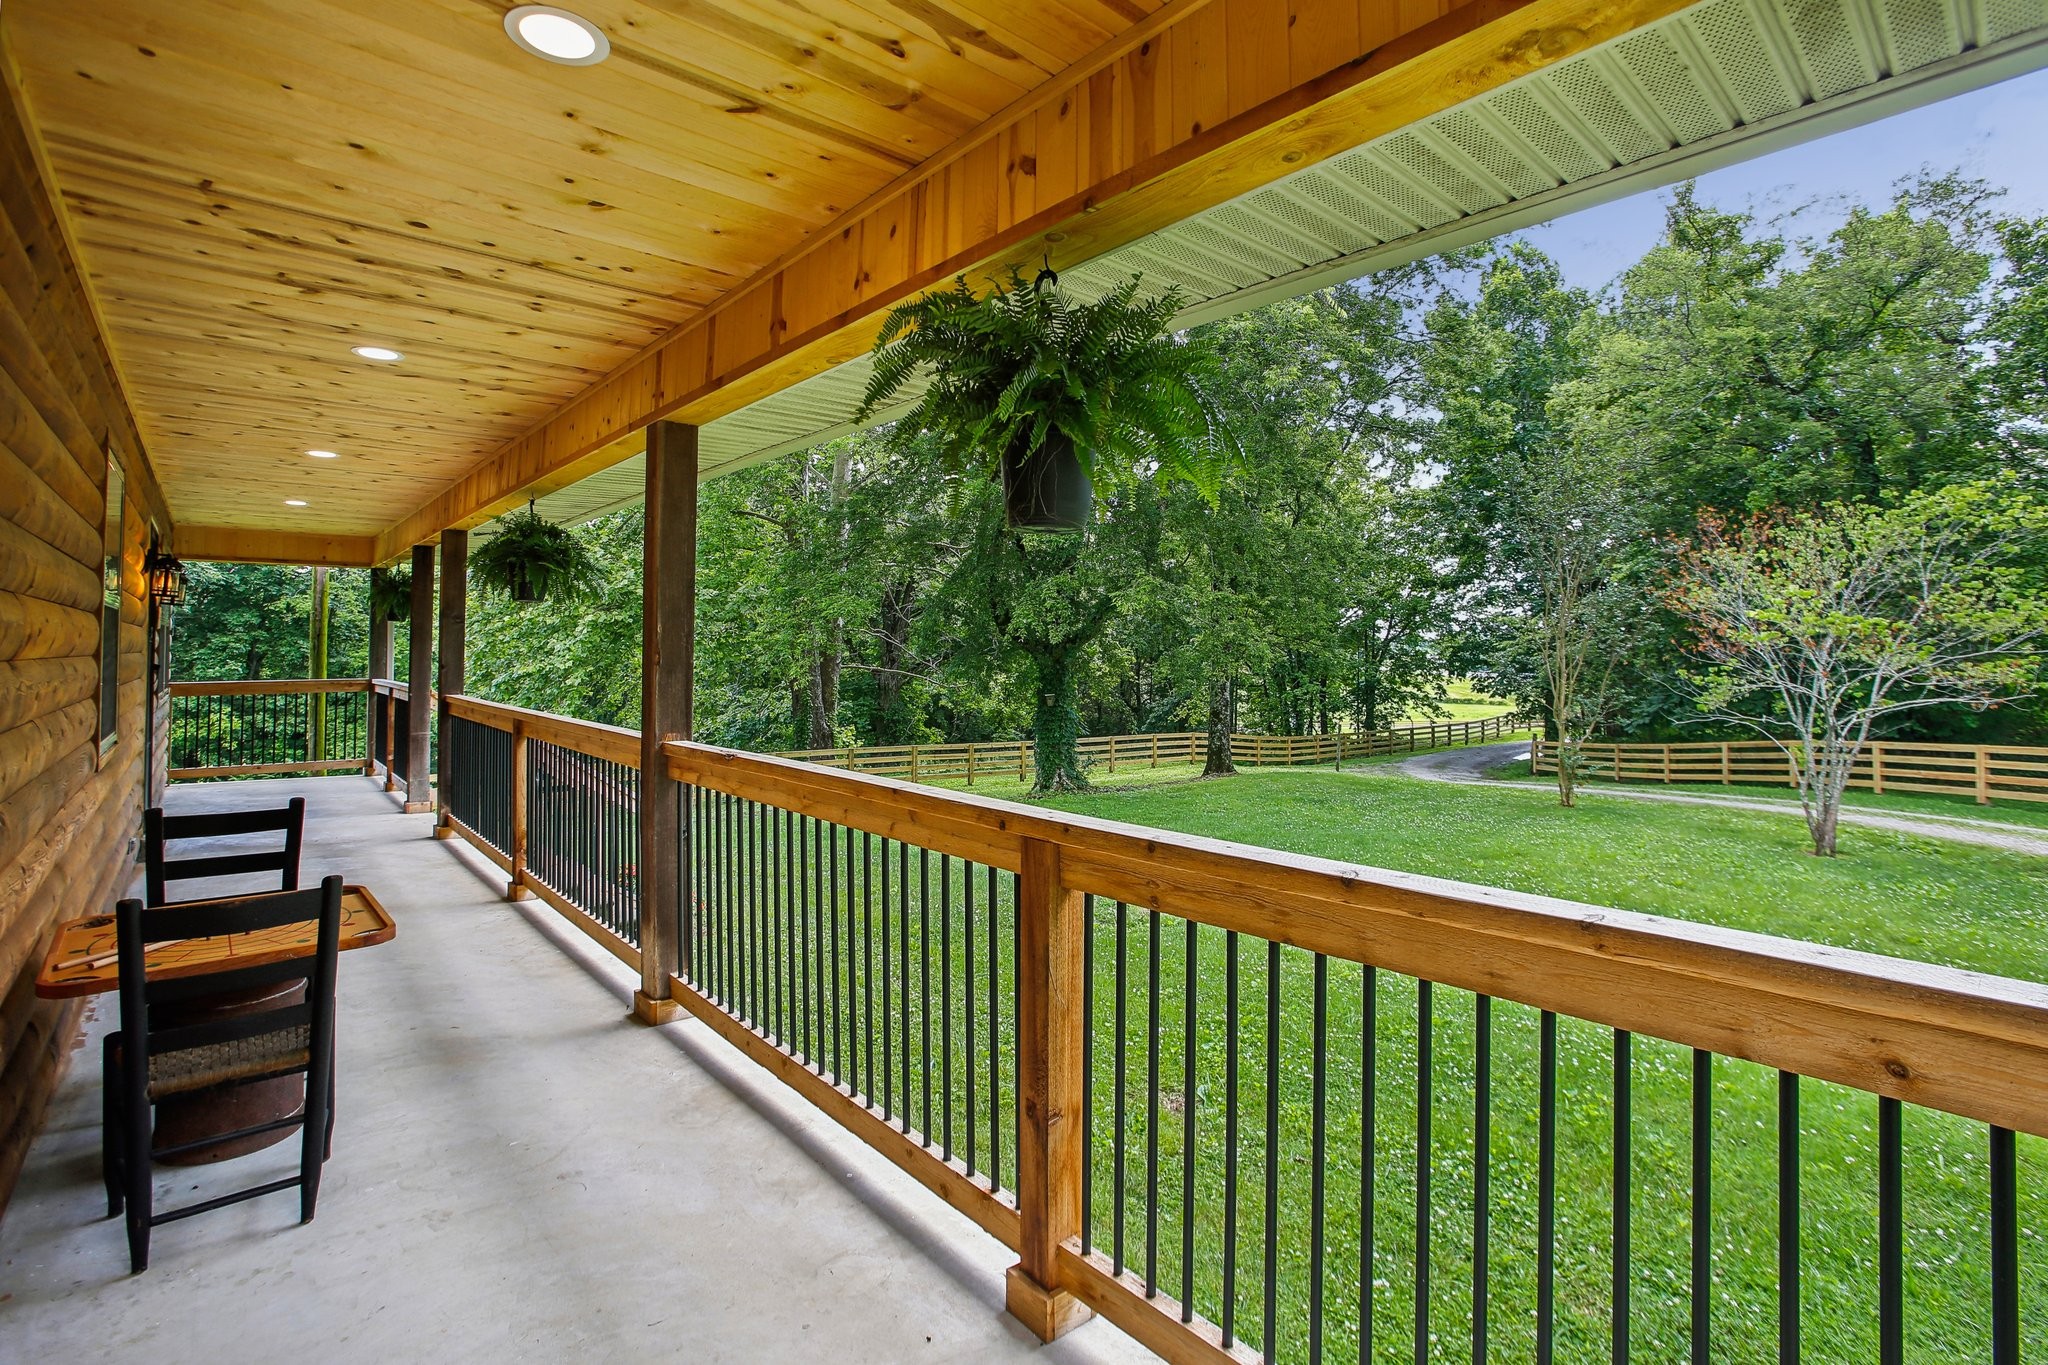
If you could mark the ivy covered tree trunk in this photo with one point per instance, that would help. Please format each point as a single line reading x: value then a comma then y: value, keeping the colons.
x: 1056, y: 725
x: 1217, y: 763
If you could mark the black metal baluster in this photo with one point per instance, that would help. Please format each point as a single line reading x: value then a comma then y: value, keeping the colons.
x: 1122, y: 1006
x: 867, y: 951
x: 972, y: 1059
x: 995, y: 1038
x: 903, y: 947
x: 1190, y: 958
x: 773, y: 952
x: 1270, y: 1305
x: 946, y: 1015
x: 1891, y: 1240
x: 1788, y: 1218
x: 1229, y: 1323
x: 1152, y: 1104
x: 1546, y: 1190
x: 924, y: 984
x: 2005, y: 1249
x: 1088, y: 1075
x: 1319, y: 1081
x: 1016, y: 985
x: 1624, y: 1075
x: 1425, y: 1077
x: 1368, y: 1118
x: 888, y: 998
x: 1702, y: 1204
x: 1482, y: 1167
x: 832, y: 933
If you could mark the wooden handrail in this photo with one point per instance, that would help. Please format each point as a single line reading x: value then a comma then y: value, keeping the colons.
x: 266, y: 686
x: 1960, y: 1041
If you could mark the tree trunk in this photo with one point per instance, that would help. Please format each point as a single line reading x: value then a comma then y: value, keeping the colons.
x: 1217, y: 762
x: 824, y: 697
x: 1822, y: 825
x: 892, y: 631
x: 1055, y: 726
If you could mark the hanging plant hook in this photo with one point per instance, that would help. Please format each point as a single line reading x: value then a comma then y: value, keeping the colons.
x: 1046, y: 276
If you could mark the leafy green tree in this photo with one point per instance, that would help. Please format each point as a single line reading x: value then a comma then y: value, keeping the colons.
x: 1814, y: 628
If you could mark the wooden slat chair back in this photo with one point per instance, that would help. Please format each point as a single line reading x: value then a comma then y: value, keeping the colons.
x: 160, y: 830
x: 151, y: 1058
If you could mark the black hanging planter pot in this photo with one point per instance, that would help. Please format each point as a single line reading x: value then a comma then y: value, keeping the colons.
x: 1046, y: 489
x: 523, y: 589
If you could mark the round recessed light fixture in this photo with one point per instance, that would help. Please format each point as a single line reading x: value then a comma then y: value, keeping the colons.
x: 556, y: 35
x: 325, y: 454
x: 294, y: 502
x: 384, y: 353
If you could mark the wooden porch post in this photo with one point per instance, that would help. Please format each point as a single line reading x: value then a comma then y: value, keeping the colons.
x: 454, y: 618
x: 667, y: 630
x: 419, y: 785
x: 380, y: 667
x: 1051, y: 924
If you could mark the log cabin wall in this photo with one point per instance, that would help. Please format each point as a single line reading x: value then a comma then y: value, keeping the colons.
x: 69, y: 815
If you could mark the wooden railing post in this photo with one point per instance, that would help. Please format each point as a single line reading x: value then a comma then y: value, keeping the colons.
x: 1877, y: 769
x: 516, y: 889
x: 1983, y: 776
x: 454, y: 631
x: 1051, y: 928
x: 390, y: 724
x: 970, y: 765
x: 419, y: 687
x: 668, y: 622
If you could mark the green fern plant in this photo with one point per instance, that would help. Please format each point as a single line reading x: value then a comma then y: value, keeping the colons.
x: 530, y: 558
x: 1009, y: 369
x: 391, y: 593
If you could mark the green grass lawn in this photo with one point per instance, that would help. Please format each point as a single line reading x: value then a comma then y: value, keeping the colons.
x: 1887, y: 893
x: 1464, y: 702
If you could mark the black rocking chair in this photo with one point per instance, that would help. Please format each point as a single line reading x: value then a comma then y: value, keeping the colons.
x: 147, y: 1061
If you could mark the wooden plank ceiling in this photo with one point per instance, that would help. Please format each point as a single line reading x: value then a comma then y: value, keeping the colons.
x: 258, y: 187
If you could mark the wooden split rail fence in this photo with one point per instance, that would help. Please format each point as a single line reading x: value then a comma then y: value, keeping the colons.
x: 1204, y: 1089
x: 933, y: 762
x: 2007, y: 772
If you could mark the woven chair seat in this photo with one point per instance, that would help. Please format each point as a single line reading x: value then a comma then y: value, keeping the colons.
x: 195, y: 1068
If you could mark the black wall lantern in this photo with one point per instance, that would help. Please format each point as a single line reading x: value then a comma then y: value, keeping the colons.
x: 166, y: 579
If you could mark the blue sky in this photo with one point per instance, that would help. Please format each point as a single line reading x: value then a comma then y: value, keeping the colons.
x: 1995, y: 134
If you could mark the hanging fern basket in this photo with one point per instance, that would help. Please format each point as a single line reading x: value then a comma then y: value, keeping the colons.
x: 531, y: 559
x: 1046, y: 487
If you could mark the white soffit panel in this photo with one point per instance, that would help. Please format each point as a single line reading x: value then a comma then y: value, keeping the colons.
x: 1717, y: 83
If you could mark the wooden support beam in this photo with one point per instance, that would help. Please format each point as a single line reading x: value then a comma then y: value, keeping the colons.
x: 667, y: 645
x: 1166, y: 129
x: 230, y: 545
x: 454, y: 623
x: 1051, y: 936
x: 419, y: 785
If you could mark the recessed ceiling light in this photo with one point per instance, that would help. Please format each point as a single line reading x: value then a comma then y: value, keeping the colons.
x: 294, y: 502
x: 557, y: 35
x: 325, y: 454
x: 377, y: 353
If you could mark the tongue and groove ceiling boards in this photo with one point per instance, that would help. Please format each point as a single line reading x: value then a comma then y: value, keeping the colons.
x: 1713, y: 84
x: 256, y: 187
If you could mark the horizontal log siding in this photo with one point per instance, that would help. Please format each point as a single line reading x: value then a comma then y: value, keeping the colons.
x: 67, y: 818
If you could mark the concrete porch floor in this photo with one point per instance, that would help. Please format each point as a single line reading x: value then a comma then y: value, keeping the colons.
x: 520, y: 1173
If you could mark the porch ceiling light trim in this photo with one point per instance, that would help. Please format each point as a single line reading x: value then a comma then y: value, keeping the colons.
x: 383, y: 354
x: 556, y: 35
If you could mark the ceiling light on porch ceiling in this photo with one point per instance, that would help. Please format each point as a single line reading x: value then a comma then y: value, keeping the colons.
x: 557, y: 35
x: 294, y: 502
x: 384, y: 353
x: 325, y: 454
